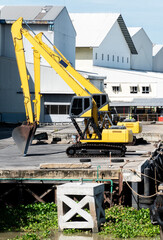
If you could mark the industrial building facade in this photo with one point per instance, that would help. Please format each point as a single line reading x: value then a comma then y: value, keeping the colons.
x: 133, y: 66
x: 56, y: 25
x: 101, y: 52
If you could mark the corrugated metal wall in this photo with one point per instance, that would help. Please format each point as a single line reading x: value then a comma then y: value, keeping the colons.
x: 11, y: 97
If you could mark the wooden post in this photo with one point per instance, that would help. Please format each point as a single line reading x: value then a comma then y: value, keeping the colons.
x: 120, y: 187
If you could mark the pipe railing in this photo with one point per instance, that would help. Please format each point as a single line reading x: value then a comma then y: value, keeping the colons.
x: 144, y: 117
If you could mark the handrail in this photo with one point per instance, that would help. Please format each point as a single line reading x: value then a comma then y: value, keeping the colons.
x: 60, y: 179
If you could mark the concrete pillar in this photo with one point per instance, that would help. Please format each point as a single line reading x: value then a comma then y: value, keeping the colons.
x: 80, y: 205
x: 135, y: 200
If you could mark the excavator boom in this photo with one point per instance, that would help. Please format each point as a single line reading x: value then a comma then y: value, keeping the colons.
x: 23, y: 134
x: 89, y: 103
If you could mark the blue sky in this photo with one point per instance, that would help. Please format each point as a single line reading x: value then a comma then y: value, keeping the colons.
x: 139, y: 13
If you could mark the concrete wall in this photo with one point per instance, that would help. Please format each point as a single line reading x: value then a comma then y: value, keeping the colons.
x: 11, y: 97
x: 84, y: 58
x: 113, y: 51
x: 158, y: 61
x: 142, y: 61
x: 65, y: 35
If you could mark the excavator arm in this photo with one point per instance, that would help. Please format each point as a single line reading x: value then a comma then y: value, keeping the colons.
x: 103, y: 101
x: 94, y: 138
x: 24, y: 134
x: 24, y: 77
x: 100, y: 98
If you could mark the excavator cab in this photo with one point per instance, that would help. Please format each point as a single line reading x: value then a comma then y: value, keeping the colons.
x: 102, y: 101
x: 81, y: 107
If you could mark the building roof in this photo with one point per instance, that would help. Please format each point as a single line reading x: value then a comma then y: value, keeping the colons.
x: 144, y: 102
x: 91, y: 75
x: 133, y: 30
x: 31, y: 13
x: 92, y: 28
x: 157, y: 48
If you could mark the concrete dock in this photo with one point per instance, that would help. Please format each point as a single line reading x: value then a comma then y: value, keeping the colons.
x: 14, y: 165
x: 35, y: 177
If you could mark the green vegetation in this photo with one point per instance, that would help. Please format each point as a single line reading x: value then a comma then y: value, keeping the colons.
x: 38, y: 221
x: 127, y: 222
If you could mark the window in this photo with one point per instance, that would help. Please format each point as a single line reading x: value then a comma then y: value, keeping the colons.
x: 104, y: 100
x: 105, y: 85
x: 108, y: 57
x: 54, y: 109
x: 133, y: 89
x: 96, y: 56
x: 127, y: 60
x: 62, y: 109
x: 122, y: 59
x: 145, y: 89
x: 51, y: 27
x: 102, y: 56
x: 113, y: 58
x: 116, y: 89
x: 117, y: 58
x: 57, y: 109
x: 77, y: 106
x: 97, y: 100
x: 86, y: 103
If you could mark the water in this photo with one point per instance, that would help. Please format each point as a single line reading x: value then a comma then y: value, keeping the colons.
x: 60, y: 236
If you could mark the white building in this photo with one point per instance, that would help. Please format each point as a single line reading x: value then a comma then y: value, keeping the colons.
x: 104, y: 46
x: 158, y: 58
x: 102, y: 40
x: 129, y: 88
x: 143, y: 60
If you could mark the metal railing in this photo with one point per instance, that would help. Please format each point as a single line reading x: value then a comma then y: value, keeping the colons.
x: 143, y: 117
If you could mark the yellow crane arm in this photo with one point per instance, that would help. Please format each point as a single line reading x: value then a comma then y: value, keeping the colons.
x: 58, y: 56
x: 17, y: 29
x: 37, y: 101
x: 20, y: 57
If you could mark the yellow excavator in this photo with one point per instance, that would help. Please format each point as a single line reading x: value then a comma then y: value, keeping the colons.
x: 89, y: 103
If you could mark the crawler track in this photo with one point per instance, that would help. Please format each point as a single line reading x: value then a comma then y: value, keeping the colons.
x: 95, y: 150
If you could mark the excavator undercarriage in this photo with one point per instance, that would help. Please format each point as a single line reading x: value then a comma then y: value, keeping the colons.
x: 96, y: 150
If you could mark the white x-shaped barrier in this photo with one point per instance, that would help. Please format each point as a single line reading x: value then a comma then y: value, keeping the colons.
x: 69, y: 208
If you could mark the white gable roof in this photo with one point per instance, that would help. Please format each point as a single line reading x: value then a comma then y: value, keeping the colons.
x: 92, y: 28
x: 133, y: 30
x: 157, y: 48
